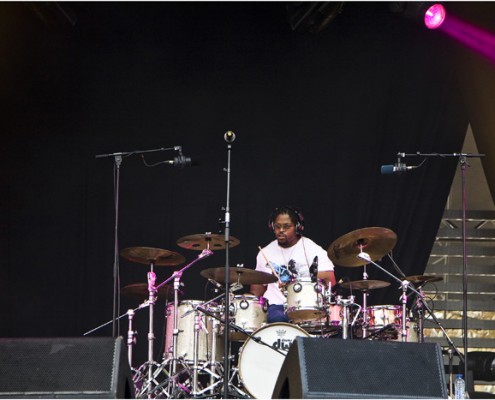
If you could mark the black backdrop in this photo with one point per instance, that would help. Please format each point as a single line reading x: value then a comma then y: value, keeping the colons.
x: 315, y: 116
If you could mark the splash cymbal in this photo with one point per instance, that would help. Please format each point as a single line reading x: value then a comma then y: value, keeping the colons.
x: 242, y: 275
x: 206, y: 240
x: 376, y: 242
x: 364, y: 284
x: 423, y: 279
x: 148, y: 255
x: 140, y: 290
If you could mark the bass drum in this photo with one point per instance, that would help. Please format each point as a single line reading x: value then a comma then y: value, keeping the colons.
x: 259, y: 366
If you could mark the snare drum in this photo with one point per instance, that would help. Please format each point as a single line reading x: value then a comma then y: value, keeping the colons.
x: 249, y: 313
x: 305, y: 300
x: 380, y: 316
x: 259, y: 366
x: 208, y: 340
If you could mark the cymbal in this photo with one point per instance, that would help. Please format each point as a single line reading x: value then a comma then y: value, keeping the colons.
x: 423, y: 279
x: 206, y: 240
x: 243, y: 275
x: 364, y: 285
x: 141, y: 290
x: 148, y: 255
x: 376, y: 242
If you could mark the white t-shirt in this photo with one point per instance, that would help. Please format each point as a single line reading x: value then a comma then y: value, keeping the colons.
x: 303, y: 253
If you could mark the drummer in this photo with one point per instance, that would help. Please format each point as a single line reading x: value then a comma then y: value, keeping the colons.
x: 291, y: 255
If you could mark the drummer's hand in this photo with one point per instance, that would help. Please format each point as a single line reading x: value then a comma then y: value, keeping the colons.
x: 282, y: 285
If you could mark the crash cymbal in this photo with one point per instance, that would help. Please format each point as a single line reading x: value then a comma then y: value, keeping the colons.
x: 364, y: 285
x: 165, y: 292
x: 243, y: 275
x: 148, y: 255
x: 376, y: 242
x: 206, y: 240
x: 423, y: 279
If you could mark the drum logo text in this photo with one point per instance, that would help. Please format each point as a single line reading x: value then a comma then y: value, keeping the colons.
x: 282, y: 344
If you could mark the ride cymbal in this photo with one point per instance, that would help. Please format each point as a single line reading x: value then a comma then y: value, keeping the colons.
x: 206, y: 240
x: 141, y: 290
x: 375, y: 241
x: 242, y: 275
x: 148, y: 255
x: 364, y: 284
x: 423, y: 279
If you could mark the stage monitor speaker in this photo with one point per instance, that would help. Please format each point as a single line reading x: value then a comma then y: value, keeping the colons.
x: 336, y: 368
x: 64, y: 368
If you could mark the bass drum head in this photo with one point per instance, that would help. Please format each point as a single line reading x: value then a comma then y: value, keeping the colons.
x: 259, y: 365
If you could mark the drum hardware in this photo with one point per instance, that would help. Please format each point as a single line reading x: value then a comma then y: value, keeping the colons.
x: 379, y: 332
x: 131, y: 336
x: 141, y: 290
x: 163, y: 258
x: 346, y: 304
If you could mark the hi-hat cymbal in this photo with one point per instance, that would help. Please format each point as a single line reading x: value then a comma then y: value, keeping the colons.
x: 423, y: 279
x: 376, y: 242
x: 148, y: 255
x: 140, y: 290
x: 206, y: 240
x: 364, y: 285
x: 242, y: 275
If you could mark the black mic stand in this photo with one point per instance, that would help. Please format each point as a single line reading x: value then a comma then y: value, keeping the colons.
x: 116, y: 183
x: 462, y: 162
x: 229, y: 138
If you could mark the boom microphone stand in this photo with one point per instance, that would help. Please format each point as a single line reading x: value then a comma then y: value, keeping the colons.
x: 462, y: 162
x: 181, y: 161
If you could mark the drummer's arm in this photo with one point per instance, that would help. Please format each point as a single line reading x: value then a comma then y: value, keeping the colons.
x: 328, y: 276
x: 257, y: 290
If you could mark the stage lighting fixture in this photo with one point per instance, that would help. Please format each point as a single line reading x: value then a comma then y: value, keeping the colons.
x: 432, y: 14
x: 312, y: 16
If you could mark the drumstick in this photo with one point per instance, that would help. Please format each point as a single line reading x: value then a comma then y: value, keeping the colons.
x: 270, y: 264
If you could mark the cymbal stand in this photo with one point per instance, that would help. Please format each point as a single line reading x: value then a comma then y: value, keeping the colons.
x: 403, y: 298
x: 131, y: 336
x: 365, y: 296
x: 151, y: 336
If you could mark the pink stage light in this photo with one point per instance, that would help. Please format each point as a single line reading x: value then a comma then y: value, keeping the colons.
x: 434, y: 16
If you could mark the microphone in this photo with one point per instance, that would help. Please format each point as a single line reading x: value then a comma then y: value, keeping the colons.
x: 229, y: 136
x: 396, y: 168
x: 292, y: 268
x: 179, y: 161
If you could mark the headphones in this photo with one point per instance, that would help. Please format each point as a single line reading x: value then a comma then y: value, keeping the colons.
x: 294, y: 214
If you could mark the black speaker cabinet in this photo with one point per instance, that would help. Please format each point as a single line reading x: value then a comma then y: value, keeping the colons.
x: 336, y: 368
x: 64, y: 368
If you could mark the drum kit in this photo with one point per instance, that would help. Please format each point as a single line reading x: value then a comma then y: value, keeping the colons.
x: 194, y: 356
